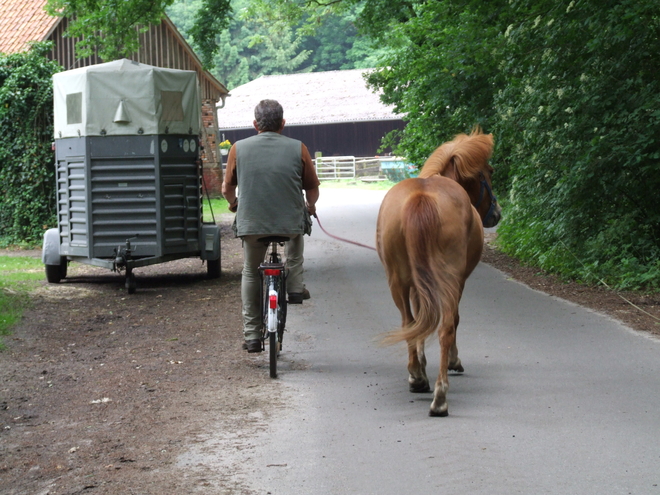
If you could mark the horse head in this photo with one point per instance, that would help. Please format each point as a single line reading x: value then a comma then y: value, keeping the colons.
x: 465, y: 160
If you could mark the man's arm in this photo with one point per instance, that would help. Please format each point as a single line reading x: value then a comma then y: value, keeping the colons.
x: 229, y: 192
x: 229, y: 182
x: 311, y: 197
x: 310, y: 181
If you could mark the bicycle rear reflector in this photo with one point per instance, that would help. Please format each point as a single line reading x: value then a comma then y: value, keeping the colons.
x: 270, y: 272
x: 273, y: 301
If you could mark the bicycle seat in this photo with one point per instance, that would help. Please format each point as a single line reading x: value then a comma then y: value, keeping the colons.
x: 273, y: 238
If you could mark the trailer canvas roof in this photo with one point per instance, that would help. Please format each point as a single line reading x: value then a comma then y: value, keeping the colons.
x: 124, y: 97
x: 310, y: 98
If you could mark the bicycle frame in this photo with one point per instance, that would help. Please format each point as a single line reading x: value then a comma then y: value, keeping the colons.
x: 271, y: 275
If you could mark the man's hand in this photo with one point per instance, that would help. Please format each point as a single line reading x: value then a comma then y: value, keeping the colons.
x: 311, y: 209
x: 233, y: 206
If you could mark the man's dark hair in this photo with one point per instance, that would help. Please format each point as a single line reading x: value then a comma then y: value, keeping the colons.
x: 269, y: 115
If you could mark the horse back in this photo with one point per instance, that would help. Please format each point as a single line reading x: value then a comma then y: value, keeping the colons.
x: 436, y: 211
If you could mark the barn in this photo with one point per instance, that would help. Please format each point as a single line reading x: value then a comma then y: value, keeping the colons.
x: 25, y: 21
x: 334, y: 113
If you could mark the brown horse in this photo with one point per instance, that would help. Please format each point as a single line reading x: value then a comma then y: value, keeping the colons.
x: 429, y: 238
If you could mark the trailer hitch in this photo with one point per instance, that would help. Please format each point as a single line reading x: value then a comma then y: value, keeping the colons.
x: 123, y: 255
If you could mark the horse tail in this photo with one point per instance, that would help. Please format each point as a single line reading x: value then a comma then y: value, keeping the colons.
x: 434, y: 293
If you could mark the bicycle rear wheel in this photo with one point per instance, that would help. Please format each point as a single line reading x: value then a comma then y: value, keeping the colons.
x: 272, y: 319
x: 273, y: 351
x: 282, y: 309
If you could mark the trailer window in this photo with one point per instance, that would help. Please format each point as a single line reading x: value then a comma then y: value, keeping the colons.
x: 171, y: 102
x: 74, y: 108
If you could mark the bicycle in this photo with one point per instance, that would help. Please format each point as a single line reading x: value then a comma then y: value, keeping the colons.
x: 273, y: 299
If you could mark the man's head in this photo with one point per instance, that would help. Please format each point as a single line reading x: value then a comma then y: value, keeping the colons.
x: 268, y: 116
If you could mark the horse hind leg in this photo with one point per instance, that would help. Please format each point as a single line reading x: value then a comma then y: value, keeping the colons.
x: 454, y: 360
x: 417, y: 379
x: 439, y: 406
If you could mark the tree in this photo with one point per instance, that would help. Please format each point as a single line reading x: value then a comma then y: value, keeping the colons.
x: 441, y: 75
x: 580, y: 118
x: 252, y: 47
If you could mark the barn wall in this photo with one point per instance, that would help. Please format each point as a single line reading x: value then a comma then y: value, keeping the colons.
x: 345, y: 139
x: 161, y: 46
x: 64, y: 50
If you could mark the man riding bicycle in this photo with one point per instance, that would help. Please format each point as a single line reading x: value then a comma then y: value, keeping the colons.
x: 270, y: 172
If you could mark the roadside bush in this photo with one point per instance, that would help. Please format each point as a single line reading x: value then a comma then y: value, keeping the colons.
x: 27, y: 173
x: 581, y: 117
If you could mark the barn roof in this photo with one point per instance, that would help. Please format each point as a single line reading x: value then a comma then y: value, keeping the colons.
x: 310, y: 98
x: 23, y: 21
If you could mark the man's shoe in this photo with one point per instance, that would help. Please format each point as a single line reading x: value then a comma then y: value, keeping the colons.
x: 298, y: 297
x: 253, y: 345
x: 295, y: 298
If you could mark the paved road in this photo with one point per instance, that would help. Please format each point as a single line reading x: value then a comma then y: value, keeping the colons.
x: 554, y: 399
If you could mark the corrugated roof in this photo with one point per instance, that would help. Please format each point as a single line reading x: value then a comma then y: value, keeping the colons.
x: 310, y: 98
x: 22, y: 21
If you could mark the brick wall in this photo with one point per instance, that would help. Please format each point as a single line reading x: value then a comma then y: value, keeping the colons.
x: 210, y: 154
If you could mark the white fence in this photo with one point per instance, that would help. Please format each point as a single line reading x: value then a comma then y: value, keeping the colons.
x: 346, y: 167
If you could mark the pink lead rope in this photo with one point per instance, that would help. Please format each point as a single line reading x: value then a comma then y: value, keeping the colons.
x: 340, y: 238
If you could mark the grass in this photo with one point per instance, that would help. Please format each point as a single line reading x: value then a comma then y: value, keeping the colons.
x: 218, y: 206
x: 357, y: 184
x: 18, y: 276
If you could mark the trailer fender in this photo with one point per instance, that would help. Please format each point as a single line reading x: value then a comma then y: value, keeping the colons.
x: 50, y: 255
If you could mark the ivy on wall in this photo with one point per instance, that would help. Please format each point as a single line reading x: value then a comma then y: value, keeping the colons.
x: 27, y: 172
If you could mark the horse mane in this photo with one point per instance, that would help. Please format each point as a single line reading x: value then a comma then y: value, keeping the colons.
x: 468, y: 153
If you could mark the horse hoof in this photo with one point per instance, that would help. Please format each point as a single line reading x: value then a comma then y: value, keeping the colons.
x: 458, y: 369
x: 438, y: 414
x: 419, y: 388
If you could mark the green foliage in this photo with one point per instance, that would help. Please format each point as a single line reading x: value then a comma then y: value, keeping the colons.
x: 254, y: 46
x: 440, y: 75
x: 27, y: 173
x: 211, y: 17
x: 274, y: 37
x: 336, y: 44
x: 580, y: 123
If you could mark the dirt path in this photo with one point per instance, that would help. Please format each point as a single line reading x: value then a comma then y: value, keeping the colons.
x: 103, y: 393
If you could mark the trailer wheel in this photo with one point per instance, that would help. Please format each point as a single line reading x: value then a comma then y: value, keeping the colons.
x: 53, y: 274
x: 130, y: 282
x: 213, y: 267
x: 63, y: 266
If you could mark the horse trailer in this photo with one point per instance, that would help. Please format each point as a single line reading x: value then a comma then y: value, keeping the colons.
x: 128, y: 171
